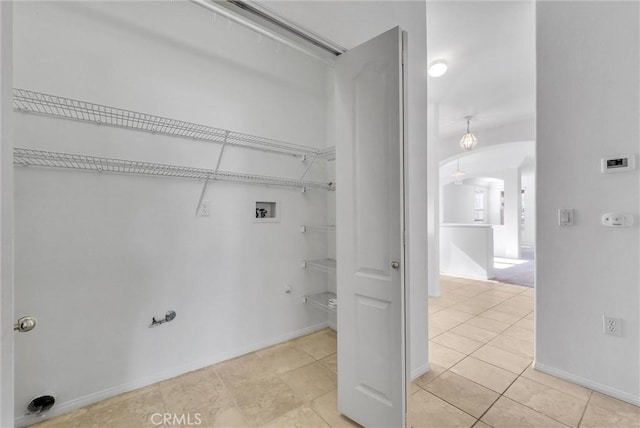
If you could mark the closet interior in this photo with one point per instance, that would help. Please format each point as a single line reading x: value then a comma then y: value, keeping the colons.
x: 166, y: 160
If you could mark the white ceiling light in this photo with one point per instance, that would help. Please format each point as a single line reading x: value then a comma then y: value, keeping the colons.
x: 468, y: 140
x: 437, y: 68
x: 458, y: 176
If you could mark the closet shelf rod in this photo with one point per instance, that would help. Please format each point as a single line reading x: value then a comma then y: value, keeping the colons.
x: 68, y: 108
x: 213, y: 7
x: 30, y: 157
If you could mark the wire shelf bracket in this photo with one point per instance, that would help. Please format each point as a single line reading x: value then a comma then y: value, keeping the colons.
x: 30, y: 157
x: 317, y: 228
x: 325, y: 265
x: 206, y: 181
x: 68, y: 108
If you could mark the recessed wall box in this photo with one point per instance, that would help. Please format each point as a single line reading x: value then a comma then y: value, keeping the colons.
x: 267, y: 212
x: 619, y: 163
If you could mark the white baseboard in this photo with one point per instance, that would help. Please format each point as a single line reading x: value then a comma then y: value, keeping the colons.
x: 76, y: 403
x: 595, y: 386
x: 419, y: 371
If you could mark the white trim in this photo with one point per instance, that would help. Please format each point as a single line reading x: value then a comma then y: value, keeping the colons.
x: 76, y: 403
x: 332, y: 325
x: 419, y: 371
x: 6, y: 216
x: 595, y: 386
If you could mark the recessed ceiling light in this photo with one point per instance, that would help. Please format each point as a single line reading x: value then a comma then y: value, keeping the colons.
x: 437, y: 68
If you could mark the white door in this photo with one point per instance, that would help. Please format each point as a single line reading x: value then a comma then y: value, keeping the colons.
x: 370, y: 219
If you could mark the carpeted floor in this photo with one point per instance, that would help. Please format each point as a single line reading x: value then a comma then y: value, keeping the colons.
x: 516, y: 271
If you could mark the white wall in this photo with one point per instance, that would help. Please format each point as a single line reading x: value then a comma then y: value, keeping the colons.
x: 458, y: 203
x: 6, y: 218
x: 467, y: 250
x: 512, y: 212
x: 500, y: 237
x: 98, y: 255
x: 434, y: 208
x: 493, y: 198
x: 588, y: 92
x: 528, y: 236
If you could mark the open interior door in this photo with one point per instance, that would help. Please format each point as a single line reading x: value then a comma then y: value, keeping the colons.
x: 370, y: 218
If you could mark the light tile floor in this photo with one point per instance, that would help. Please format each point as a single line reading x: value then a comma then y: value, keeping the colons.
x: 481, y: 350
x: 481, y: 336
x: 288, y: 385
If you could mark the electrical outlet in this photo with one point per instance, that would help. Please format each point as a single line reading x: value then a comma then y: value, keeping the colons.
x: 612, y: 326
x: 204, y: 209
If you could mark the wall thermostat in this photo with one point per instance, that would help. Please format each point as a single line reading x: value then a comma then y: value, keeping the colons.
x: 619, y: 163
x: 617, y: 219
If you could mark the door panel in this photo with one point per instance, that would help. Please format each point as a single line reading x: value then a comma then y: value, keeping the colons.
x: 370, y: 216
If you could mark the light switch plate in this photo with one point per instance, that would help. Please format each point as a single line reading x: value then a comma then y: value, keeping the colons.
x: 565, y: 217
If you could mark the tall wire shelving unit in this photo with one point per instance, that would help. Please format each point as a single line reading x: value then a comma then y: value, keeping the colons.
x: 38, y: 103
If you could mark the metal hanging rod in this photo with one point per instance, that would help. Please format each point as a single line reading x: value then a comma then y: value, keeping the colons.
x: 258, y: 11
x: 225, y: 9
x: 29, y: 157
x: 68, y: 108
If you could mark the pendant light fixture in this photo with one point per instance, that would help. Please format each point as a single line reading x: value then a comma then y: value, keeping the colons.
x: 468, y: 140
x: 458, y: 176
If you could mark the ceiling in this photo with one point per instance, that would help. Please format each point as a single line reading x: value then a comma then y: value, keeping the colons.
x: 490, y: 50
x: 489, y: 46
x: 491, y: 161
x: 347, y: 23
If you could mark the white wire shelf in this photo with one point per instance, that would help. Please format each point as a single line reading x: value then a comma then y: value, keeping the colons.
x: 325, y: 265
x: 329, y: 153
x: 321, y: 301
x: 29, y: 157
x: 317, y: 228
x: 68, y: 108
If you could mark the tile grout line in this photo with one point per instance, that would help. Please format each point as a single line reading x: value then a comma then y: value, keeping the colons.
x: 546, y: 386
x: 483, y: 344
x: 279, y: 376
x: 502, y: 395
x: 585, y: 409
x: 469, y: 355
x: 505, y: 390
x: 472, y: 381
